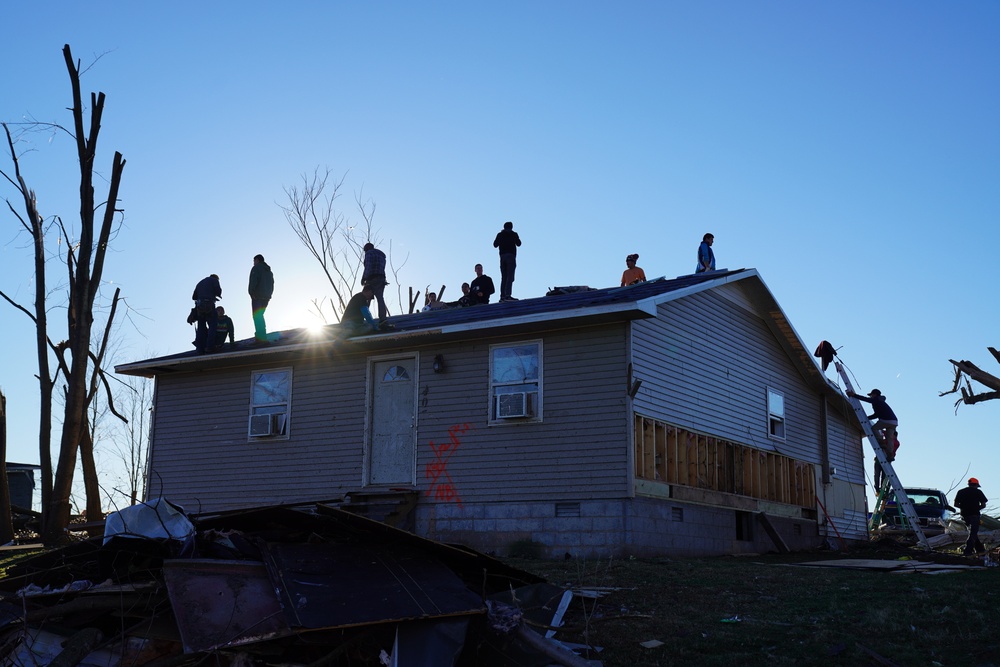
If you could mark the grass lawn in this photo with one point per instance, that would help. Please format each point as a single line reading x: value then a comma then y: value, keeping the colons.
x: 765, y: 611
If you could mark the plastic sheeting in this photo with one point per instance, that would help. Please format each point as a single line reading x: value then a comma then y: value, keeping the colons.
x: 157, y: 519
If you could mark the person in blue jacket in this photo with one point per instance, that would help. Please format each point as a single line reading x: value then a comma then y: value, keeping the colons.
x: 706, y: 258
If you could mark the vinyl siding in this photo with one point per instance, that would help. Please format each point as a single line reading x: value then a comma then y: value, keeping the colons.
x: 201, y: 457
x: 578, y: 450
x: 847, y: 455
x: 706, y: 363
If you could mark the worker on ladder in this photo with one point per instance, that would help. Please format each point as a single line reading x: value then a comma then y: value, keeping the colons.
x: 885, y: 426
x: 890, y: 455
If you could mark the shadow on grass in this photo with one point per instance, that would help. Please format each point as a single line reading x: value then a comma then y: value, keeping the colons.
x: 758, y: 611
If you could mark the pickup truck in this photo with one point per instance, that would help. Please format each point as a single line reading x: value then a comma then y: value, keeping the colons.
x: 931, y: 505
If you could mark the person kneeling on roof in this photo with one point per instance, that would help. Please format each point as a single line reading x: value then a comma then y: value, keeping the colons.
x: 357, y: 317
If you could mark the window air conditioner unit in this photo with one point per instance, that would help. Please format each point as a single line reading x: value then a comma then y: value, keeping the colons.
x: 512, y: 405
x: 263, y: 425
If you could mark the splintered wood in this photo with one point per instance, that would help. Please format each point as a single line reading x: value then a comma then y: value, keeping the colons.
x: 673, y: 455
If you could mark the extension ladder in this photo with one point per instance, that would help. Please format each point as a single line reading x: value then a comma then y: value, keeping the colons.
x: 903, y: 501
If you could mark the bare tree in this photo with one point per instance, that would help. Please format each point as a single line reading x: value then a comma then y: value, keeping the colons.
x: 80, y: 355
x: 328, y: 235
x: 34, y: 224
x: 966, y: 371
x: 131, y: 439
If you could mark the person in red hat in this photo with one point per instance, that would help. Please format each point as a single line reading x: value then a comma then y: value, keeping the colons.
x: 970, y: 501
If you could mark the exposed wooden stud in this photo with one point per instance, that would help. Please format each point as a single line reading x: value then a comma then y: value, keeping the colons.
x: 661, y: 451
x: 672, y: 455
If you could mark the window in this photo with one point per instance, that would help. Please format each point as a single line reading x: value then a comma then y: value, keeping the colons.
x: 515, y: 382
x: 270, y: 395
x: 775, y: 414
x: 396, y: 374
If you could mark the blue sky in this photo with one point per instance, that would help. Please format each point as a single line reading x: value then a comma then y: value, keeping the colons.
x: 848, y: 151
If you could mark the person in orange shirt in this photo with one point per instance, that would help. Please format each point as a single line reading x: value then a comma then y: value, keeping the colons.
x: 633, y: 274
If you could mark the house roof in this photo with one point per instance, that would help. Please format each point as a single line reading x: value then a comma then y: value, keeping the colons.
x: 561, y: 304
x: 561, y: 308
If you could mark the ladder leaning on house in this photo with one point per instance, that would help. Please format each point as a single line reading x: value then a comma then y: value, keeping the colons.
x: 891, y: 479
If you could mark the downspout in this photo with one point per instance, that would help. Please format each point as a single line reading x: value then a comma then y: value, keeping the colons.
x: 824, y: 444
x: 628, y: 503
x: 630, y: 390
x: 149, y: 441
x: 824, y: 450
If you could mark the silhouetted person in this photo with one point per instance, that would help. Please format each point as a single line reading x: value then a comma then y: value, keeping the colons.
x: 261, y: 288
x: 508, y: 242
x: 206, y: 293
x: 885, y: 426
x: 373, y: 276
x: 481, y: 288
x: 224, y: 328
x: 357, y: 317
x: 971, y: 501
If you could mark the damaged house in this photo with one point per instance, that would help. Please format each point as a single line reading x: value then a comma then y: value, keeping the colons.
x: 680, y: 417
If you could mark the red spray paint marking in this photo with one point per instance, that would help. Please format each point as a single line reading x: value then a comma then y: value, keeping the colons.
x: 442, y: 487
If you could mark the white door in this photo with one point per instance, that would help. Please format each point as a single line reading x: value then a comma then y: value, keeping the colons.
x: 391, y: 428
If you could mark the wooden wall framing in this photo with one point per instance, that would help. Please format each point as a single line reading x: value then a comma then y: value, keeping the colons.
x: 670, y: 454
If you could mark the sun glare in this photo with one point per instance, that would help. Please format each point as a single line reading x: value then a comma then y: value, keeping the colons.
x: 316, y: 330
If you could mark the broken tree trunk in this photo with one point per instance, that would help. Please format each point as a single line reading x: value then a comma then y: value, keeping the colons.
x: 968, y: 370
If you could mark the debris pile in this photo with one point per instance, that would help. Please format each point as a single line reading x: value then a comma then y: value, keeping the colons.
x: 306, y: 585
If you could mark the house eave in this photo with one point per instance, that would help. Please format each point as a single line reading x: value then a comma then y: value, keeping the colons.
x: 393, y: 339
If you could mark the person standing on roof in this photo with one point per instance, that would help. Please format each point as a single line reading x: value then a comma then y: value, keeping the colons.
x: 633, y: 274
x: 508, y: 242
x: 887, y: 422
x: 374, y: 277
x: 206, y: 293
x: 481, y: 288
x: 260, y: 289
x: 706, y: 258
x: 971, y: 501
